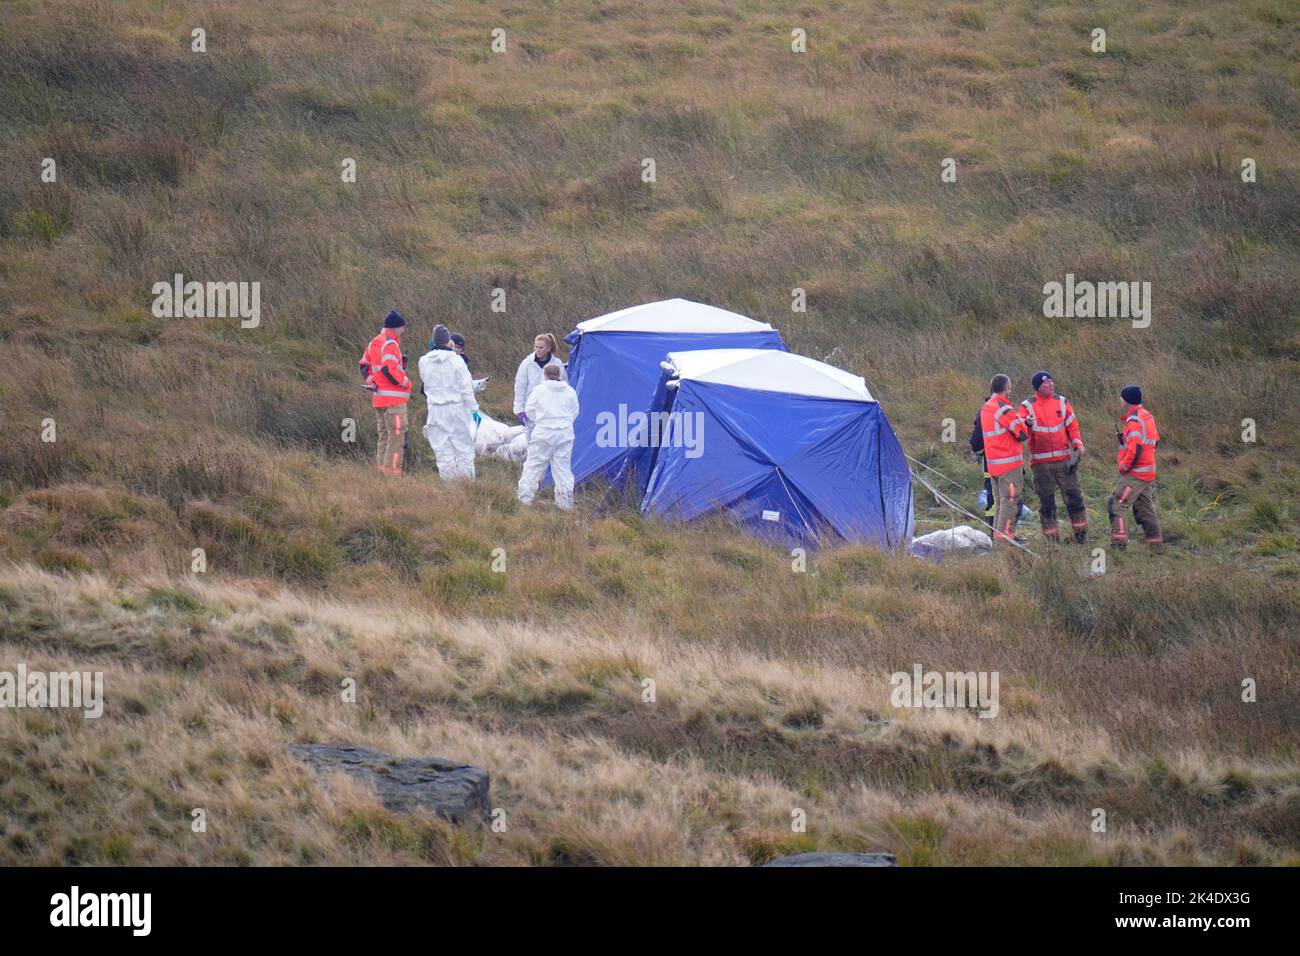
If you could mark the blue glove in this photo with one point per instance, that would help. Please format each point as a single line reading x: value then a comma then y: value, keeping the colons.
x: 523, y: 418
x: 478, y: 419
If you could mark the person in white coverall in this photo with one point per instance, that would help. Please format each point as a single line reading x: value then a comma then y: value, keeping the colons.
x: 452, y: 407
x: 530, y: 374
x: 551, y: 409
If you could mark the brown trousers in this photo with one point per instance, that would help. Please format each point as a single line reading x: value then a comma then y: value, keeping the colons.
x: 1141, y: 495
x: 1006, y: 492
x: 390, y: 426
x: 1048, y: 476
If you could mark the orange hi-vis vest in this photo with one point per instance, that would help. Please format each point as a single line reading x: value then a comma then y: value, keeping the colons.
x: 1137, y: 454
x: 1004, y: 430
x: 382, y: 365
x: 1055, y: 429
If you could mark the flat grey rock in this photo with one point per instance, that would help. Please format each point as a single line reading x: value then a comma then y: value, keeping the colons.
x: 835, y: 859
x: 455, y: 791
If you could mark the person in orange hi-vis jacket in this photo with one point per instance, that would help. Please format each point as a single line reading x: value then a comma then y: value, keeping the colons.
x: 1005, y: 430
x: 383, y: 370
x: 1055, y: 449
x: 1136, y: 461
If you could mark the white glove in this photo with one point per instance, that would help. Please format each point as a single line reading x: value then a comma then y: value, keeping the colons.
x: 479, y: 385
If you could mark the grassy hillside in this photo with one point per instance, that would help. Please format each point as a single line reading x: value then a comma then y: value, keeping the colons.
x: 521, y: 171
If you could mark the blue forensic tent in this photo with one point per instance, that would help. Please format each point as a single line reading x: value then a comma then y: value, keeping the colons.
x: 614, y: 367
x: 794, y: 449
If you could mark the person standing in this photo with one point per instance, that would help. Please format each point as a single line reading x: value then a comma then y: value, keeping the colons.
x: 458, y: 346
x: 530, y: 374
x: 1136, y: 462
x: 384, y: 373
x: 1054, y: 452
x: 552, y: 408
x: 1004, y: 430
x: 988, y: 500
x: 450, y: 395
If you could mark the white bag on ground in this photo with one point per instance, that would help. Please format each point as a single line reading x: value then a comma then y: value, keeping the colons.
x: 962, y: 539
x: 498, y: 440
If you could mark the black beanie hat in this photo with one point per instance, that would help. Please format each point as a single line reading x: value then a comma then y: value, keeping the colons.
x: 457, y: 339
x: 1038, y: 379
x: 394, y: 320
x: 441, y: 335
x: 1131, y: 394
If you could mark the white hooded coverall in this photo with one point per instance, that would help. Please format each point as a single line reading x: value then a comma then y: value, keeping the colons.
x: 529, y: 376
x: 551, y: 409
x: 450, y: 393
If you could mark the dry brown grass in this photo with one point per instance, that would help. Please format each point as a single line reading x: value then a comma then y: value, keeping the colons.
x: 520, y: 171
x: 207, y: 682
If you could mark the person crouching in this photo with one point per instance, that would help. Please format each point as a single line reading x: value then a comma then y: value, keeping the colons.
x: 551, y: 409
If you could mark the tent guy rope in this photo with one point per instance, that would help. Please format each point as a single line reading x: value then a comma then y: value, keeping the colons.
x: 943, y: 499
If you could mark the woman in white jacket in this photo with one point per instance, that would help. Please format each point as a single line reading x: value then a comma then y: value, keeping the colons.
x: 530, y: 374
x: 450, y: 394
x: 552, y: 408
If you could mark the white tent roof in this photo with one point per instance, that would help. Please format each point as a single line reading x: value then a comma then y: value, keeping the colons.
x: 768, y: 370
x: 672, y: 316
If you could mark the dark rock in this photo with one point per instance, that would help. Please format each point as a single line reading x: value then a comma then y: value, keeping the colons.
x: 455, y: 791
x: 836, y: 859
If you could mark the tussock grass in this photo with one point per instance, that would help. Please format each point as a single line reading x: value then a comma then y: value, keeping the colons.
x: 206, y: 682
x: 522, y: 172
